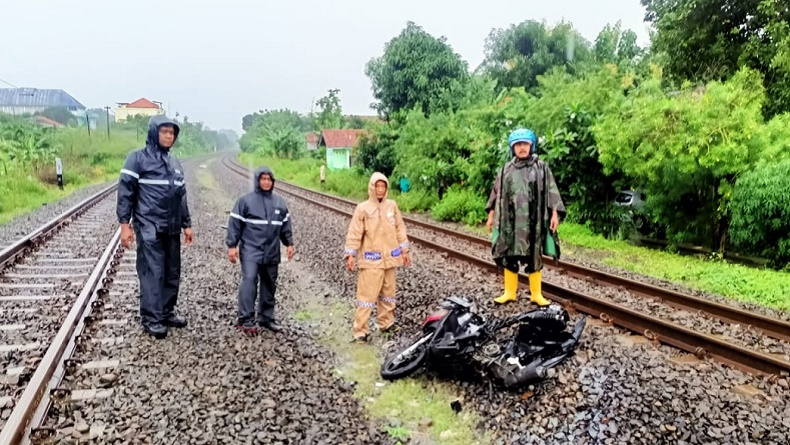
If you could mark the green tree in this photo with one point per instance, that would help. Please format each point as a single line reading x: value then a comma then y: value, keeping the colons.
x: 688, y: 150
x: 24, y: 144
x: 613, y: 45
x: 330, y: 114
x: 413, y: 71
x: 712, y: 39
x: 376, y: 150
x: 265, y: 124
x: 516, y: 56
x: 761, y: 213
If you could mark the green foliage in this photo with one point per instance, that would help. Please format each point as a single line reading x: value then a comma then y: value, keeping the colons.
x: 414, y: 71
x: 712, y: 39
x: 760, y: 286
x: 616, y: 46
x: 355, y: 122
x: 305, y: 172
x: 565, y: 112
x: 24, y: 145
x: 516, y: 56
x: 376, y: 151
x: 330, y: 114
x: 688, y: 150
x: 277, y: 118
x: 431, y: 150
x: 27, y: 157
x: 460, y: 204
x: 277, y: 132
x: 761, y: 213
x: 415, y: 200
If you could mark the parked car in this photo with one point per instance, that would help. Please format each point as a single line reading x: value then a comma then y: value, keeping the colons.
x: 634, y: 200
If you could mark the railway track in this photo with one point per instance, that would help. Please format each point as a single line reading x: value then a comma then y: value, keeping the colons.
x: 746, y: 357
x: 51, y: 281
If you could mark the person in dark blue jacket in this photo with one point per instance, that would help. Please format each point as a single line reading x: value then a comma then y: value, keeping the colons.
x: 257, y: 225
x: 152, y: 207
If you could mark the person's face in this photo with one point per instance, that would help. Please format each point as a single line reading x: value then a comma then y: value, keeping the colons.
x: 167, y: 134
x: 522, y: 149
x: 265, y: 181
x: 381, y: 189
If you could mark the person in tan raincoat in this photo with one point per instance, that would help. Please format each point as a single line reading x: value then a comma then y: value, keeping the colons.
x: 377, y: 236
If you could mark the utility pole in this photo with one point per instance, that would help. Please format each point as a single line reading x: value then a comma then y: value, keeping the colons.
x: 107, y: 109
x: 88, y: 123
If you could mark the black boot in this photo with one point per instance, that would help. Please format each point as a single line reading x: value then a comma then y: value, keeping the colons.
x: 247, y: 327
x: 157, y: 330
x: 271, y: 325
x: 174, y: 321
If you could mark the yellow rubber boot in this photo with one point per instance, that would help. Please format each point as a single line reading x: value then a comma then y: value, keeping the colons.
x: 511, y: 286
x: 534, y: 289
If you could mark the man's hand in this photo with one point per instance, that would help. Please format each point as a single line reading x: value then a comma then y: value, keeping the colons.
x: 555, y: 221
x: 290, y: 252
x: 127, y: 236
x: 406, y: 259
x: 350, y: 263
x: 189, y: 236
x: 233, y: 254
x: 490, y: 222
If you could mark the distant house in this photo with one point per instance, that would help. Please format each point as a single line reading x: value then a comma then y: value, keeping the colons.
x: 43, y: 121
x: 311, y: 139
x: 339, y: 144
x: 18, y: 101
x: 140, y: 106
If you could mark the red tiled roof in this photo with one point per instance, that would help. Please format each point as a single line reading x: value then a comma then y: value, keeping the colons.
x: 311, y: 138
x: 43, y: 120
x: 142, y: 103
x: 339, y: 138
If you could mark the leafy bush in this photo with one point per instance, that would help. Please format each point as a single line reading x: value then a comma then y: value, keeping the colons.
x: 376, y: 151
x: 416, y: 200
x: 460, y: 204
x: 761, y: 213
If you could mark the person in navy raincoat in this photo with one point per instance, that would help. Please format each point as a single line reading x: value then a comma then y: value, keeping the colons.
x: 257, y: 225
x: 152, y: 208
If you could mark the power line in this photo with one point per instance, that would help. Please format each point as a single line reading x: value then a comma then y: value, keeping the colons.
x: 8, y: 83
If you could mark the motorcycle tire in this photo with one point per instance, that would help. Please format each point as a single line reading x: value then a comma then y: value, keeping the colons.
x: 393, y: 370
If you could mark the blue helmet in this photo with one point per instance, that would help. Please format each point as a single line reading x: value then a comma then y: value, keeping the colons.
x: 522, y: 135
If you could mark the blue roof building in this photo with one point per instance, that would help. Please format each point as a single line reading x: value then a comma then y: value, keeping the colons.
x: 18, y: 101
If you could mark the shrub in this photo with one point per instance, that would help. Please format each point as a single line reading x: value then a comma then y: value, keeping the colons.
x: 761, y: 213
x: 416, y: 200
x: 460, y: 205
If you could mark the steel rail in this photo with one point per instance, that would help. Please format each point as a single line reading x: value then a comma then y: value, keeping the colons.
x: 50, y: 370
x: 18, y: 248
x: 772, y: 327
x: 702, y: 345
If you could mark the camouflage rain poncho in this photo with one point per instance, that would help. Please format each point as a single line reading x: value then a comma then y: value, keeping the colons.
x: 525, y: 192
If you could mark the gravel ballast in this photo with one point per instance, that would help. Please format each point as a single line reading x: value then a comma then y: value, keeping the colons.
x: 207, y: 383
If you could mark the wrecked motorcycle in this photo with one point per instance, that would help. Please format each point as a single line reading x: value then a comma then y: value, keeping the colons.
x: 457, y: 340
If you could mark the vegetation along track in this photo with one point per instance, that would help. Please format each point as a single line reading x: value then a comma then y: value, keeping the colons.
x: 648, y: 317
x: 50, y: 280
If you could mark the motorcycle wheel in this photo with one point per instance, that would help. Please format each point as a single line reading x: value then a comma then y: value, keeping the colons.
x: 402, y: 365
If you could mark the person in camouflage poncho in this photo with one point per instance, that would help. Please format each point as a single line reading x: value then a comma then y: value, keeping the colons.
x: 525, y: 202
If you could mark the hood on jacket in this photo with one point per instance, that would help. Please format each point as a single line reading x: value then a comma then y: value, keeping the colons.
x: 153, y: 130
x: 374, y: 178
x: 257, y: 179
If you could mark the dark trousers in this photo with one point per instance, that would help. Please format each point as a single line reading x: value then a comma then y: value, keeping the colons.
x: 159, y: 271
x: 253, y: 274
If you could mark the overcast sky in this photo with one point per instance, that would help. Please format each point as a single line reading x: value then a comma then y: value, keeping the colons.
x: 216, y: 61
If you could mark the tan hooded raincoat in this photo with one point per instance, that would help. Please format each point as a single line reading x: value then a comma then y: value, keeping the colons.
x: 377, y: 235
